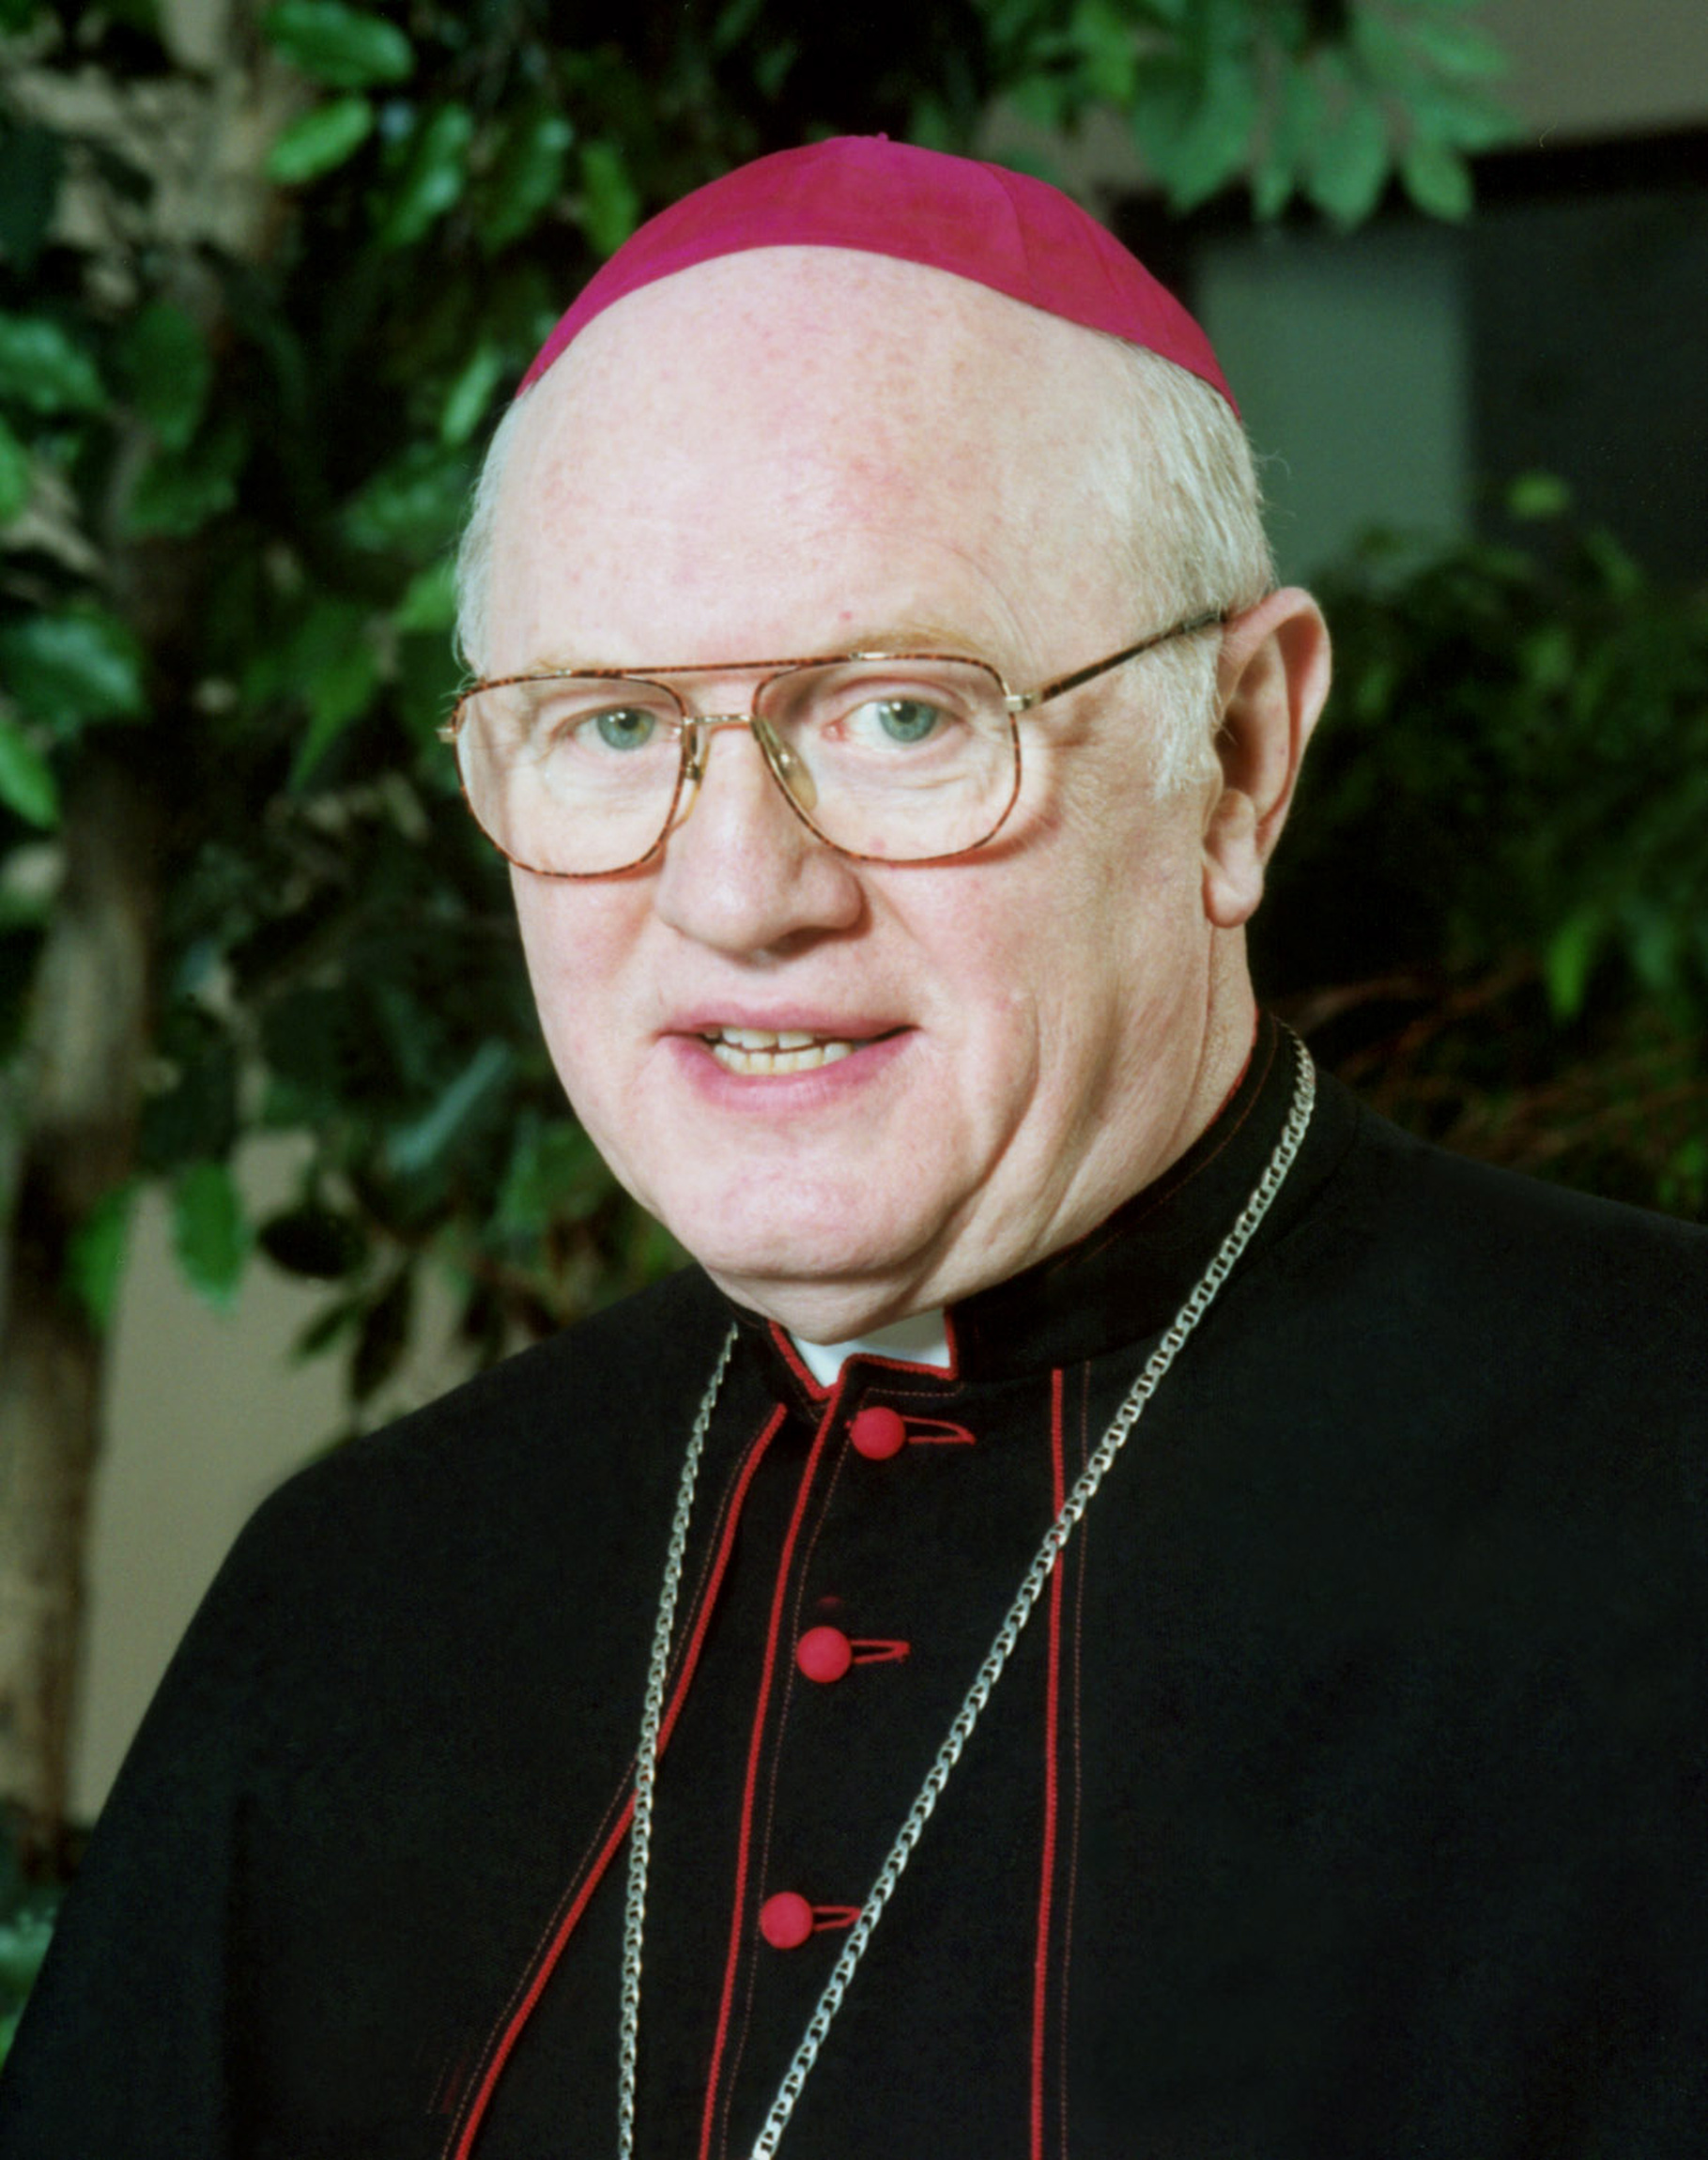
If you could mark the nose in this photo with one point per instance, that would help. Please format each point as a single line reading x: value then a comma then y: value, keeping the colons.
x: 741, y: 871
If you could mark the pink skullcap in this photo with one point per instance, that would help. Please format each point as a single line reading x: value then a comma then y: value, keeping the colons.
x: 1001, y: 229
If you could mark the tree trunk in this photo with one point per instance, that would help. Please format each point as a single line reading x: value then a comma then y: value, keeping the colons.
x: 81, y: 1070
x: 203, y: 134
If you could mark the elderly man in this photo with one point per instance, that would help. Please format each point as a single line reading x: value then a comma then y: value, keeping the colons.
x: 1125, y: 1607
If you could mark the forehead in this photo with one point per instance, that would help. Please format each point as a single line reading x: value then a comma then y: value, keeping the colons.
x: 796, y: 448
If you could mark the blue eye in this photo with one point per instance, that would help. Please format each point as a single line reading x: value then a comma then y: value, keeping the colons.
x: 906, y: 721
x: 626, y: 728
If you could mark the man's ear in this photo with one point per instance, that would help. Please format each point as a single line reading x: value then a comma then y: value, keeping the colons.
x: 1270, y: 683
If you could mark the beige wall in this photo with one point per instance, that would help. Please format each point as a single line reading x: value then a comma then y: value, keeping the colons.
x: 1585, y: 68
x: 206, y: 1412
x: 205, y: 1416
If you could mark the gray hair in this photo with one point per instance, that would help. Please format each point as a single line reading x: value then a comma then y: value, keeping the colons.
x: 474, y: 571
x: 1178, y: 481
x: 1182, y: 486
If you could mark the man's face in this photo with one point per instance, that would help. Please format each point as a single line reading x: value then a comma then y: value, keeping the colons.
x: 793, y: 453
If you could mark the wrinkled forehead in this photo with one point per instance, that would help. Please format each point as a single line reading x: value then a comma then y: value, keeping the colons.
x: 807, y: 376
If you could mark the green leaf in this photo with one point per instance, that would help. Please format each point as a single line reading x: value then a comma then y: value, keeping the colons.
x: 43, y: 367
x: 167, y: 367
x: 429, y: 602
x: 314, y: 1242
x: 211, y: 1232
x: 384, y: 1336
x: 1469, y: 122
x: 343, y: 693
x: 414, y: 505
x: 28, y: 786
x: 346, y: 48
x: 1212, y: 148
x: 1299, y: 118
x: 24, y: 1943
x: 1162, y: 109
x: 1108, y: 50
x: 14, y: 475
x: 434, y: 176
x: 611, y: 203
x: 1538, y: 494
x: 328, y: 1326
x: 1655, y: 942
x: 177, y: 493
x: 412, y: 1149
x: 1043, y: 101
x: 1620, y: 570
x: 95, y: 1261
x: 424, y: 691
x: 1381, y: 46
x: 191, y: 1109
x: 772, y: 66
x: 555, y: 1173
x: 734, y: 21
x: 1271, y: 186
x: 337, y: 670
x: 528, y: 178
x: 1548, y: 657
x: 65, y: 670
x: 1455, y: 47
x: 319, y: 141
x: 1346, y: 174
x: 470, y: 393
x: 1569, y: 960
x: 1436, y: 179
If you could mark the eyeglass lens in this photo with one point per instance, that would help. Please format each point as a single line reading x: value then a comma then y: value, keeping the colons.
x: 900, y: 759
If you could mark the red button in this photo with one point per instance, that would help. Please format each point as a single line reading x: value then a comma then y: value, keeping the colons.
x: 877, y: 1434
x: 785, y: 1920
x: 824, y: 1654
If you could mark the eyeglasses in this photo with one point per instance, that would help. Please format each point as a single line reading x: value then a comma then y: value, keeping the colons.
x: 887, y: 757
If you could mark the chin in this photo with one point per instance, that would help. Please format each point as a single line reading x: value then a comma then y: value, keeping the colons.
x: 800, y: 1253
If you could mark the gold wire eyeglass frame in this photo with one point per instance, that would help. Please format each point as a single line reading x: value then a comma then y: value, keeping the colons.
x: 697, y: 729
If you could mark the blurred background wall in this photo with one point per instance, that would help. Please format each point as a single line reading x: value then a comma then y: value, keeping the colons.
x: 1387, y: 377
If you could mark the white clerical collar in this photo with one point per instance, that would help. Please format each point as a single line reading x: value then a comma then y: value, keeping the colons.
x: 919, y: 1339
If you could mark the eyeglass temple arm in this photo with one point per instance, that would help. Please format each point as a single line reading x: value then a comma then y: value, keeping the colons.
x: 1025, y: 700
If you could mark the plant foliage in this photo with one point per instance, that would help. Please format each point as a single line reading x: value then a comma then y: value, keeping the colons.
x: 26, y: 1925
x: 1492, y: 902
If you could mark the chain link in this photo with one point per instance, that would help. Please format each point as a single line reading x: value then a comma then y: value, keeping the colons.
x: 646, y: 1762
x: 978, y: 1694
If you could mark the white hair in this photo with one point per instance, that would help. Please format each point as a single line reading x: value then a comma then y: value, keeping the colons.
x: 473, y: 572
x: 1181, y: 486
x: 1178, y: 483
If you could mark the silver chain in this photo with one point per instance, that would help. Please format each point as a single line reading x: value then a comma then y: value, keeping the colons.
x: 646, y: 1766
x: 978, y: 1695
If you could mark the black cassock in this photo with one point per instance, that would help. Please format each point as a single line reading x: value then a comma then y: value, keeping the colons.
x: 1344, y: 1796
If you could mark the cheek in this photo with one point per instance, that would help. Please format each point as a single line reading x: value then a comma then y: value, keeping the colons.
x: 1118, y: 928
x: 574, y: 941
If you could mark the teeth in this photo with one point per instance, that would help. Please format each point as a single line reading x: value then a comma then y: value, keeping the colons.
x: 762, y: 1049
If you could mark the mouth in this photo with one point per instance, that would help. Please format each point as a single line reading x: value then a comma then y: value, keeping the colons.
x: 764, y: 1051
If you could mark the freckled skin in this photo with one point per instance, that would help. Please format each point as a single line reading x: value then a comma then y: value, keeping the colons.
x: 787, y: 453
